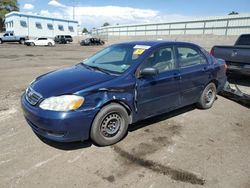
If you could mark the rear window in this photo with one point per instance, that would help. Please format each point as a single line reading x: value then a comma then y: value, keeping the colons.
x: 243, y: 40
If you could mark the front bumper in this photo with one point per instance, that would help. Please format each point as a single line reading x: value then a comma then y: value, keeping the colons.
x: 58, y: 126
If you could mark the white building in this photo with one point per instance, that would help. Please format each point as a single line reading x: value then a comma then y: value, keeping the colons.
x: 39, y: 26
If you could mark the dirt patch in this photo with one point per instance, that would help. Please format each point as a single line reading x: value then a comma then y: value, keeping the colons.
x: 9, y: 56
x: 175, y: 174
x: 2, y: 109
x: 110, y: 179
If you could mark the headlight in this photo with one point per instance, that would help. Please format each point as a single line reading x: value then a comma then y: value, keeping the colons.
x: 62, y: 103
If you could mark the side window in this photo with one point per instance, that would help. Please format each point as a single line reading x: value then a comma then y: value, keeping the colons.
x: 23, y: 23
x: 11, y: 34
x: 60, y: 27
x: 161, y: 59
x: 38, y: 25
x: 188, y: 56
x: 50, y: 26
x: 71, y: 29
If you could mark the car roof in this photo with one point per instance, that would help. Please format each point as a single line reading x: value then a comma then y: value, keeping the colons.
x: 158, y: 42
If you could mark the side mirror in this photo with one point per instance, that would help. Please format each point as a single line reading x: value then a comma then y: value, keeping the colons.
x: 148, y: 72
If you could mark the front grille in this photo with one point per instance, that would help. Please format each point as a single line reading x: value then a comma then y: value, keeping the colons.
x: 32, y: 97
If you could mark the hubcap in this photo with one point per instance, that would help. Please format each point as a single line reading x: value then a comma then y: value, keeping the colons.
x: 111, y: 125
x: 209, y: 97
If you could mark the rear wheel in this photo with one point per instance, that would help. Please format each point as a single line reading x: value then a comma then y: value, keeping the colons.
x: 1, y: 41
x: 110, y: 125
x: 207, y: 97
x: 49, y: 44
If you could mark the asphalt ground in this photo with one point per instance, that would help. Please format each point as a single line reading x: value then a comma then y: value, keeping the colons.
x: 185, y: 148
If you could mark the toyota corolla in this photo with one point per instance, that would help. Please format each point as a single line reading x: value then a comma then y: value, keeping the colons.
x: 98, y: 98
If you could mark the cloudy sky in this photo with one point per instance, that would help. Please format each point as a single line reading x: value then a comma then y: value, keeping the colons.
x: 94, y: 13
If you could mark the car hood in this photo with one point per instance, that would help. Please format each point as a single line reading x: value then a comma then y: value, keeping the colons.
x: 68, y: 81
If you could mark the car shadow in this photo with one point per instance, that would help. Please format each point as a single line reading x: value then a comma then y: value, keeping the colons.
x: 133, y: 127
x: 159, y: 118
x: 66, y: 145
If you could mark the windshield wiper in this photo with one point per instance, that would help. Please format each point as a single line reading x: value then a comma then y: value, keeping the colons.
x: 99, y: 69
x: 86, y: 66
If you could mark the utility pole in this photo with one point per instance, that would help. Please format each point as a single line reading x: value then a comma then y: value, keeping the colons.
x: 73, y: 12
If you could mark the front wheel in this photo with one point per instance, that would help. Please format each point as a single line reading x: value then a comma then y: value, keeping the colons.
x: 1, y: 41
x: 50, y: 44
x: 32, y: 44
x: 110, y: 125
x: 21, y: 41
x: 207, y: 97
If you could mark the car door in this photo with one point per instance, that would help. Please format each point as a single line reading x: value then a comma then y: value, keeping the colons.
x: 159, y: 93
x: 41, y: 41
x: 194, y: 71
x: 12, y: 37
x: 6, y: 37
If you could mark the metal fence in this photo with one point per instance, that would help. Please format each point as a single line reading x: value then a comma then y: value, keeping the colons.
x: 226, y: 25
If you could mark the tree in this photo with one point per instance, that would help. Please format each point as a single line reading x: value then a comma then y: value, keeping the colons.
x: 233, y: 13
x: 85, y: 30
x: 7, y: 6
x: 105, y: 24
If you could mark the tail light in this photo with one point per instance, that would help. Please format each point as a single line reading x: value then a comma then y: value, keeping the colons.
x: 225, y: 65
x: 212, y: 51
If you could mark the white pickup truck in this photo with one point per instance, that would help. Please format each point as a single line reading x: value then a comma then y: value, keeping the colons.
x: 11, y: 37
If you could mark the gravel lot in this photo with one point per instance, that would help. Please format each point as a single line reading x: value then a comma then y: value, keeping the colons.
x: 185, y: 148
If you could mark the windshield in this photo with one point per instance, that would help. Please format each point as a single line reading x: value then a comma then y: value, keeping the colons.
x: 115, y: 59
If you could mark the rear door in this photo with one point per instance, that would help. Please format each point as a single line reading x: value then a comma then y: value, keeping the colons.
x: 195, y: 73
x: 160, y: 93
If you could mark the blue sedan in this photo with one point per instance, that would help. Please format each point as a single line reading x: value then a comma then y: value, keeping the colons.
x: 122, y: 84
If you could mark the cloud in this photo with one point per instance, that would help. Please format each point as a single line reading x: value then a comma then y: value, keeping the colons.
x: 56, y: 4
x: 52, y: 14
x: 95, y: 16
x: 28, y: 6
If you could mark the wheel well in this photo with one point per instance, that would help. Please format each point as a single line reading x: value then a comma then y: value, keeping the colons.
x: 215, y: 82
x: 124, y: 105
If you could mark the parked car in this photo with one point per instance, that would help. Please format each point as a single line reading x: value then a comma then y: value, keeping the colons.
x: 40, y: 42
x: 122, y: 84
x: 63, y: 39
x: 237, y: 57
x: 11, y: 37
x: 91, y: 41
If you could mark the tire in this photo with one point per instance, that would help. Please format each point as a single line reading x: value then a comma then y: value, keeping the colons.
x: 207, y: 97
x: 1, y: 42
x: 110, y: 125
x: 32, y: 44
x: 21, y: 41
x: 50, y: 44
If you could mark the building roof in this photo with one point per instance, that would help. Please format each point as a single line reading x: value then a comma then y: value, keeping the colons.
x: 14, y: 13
